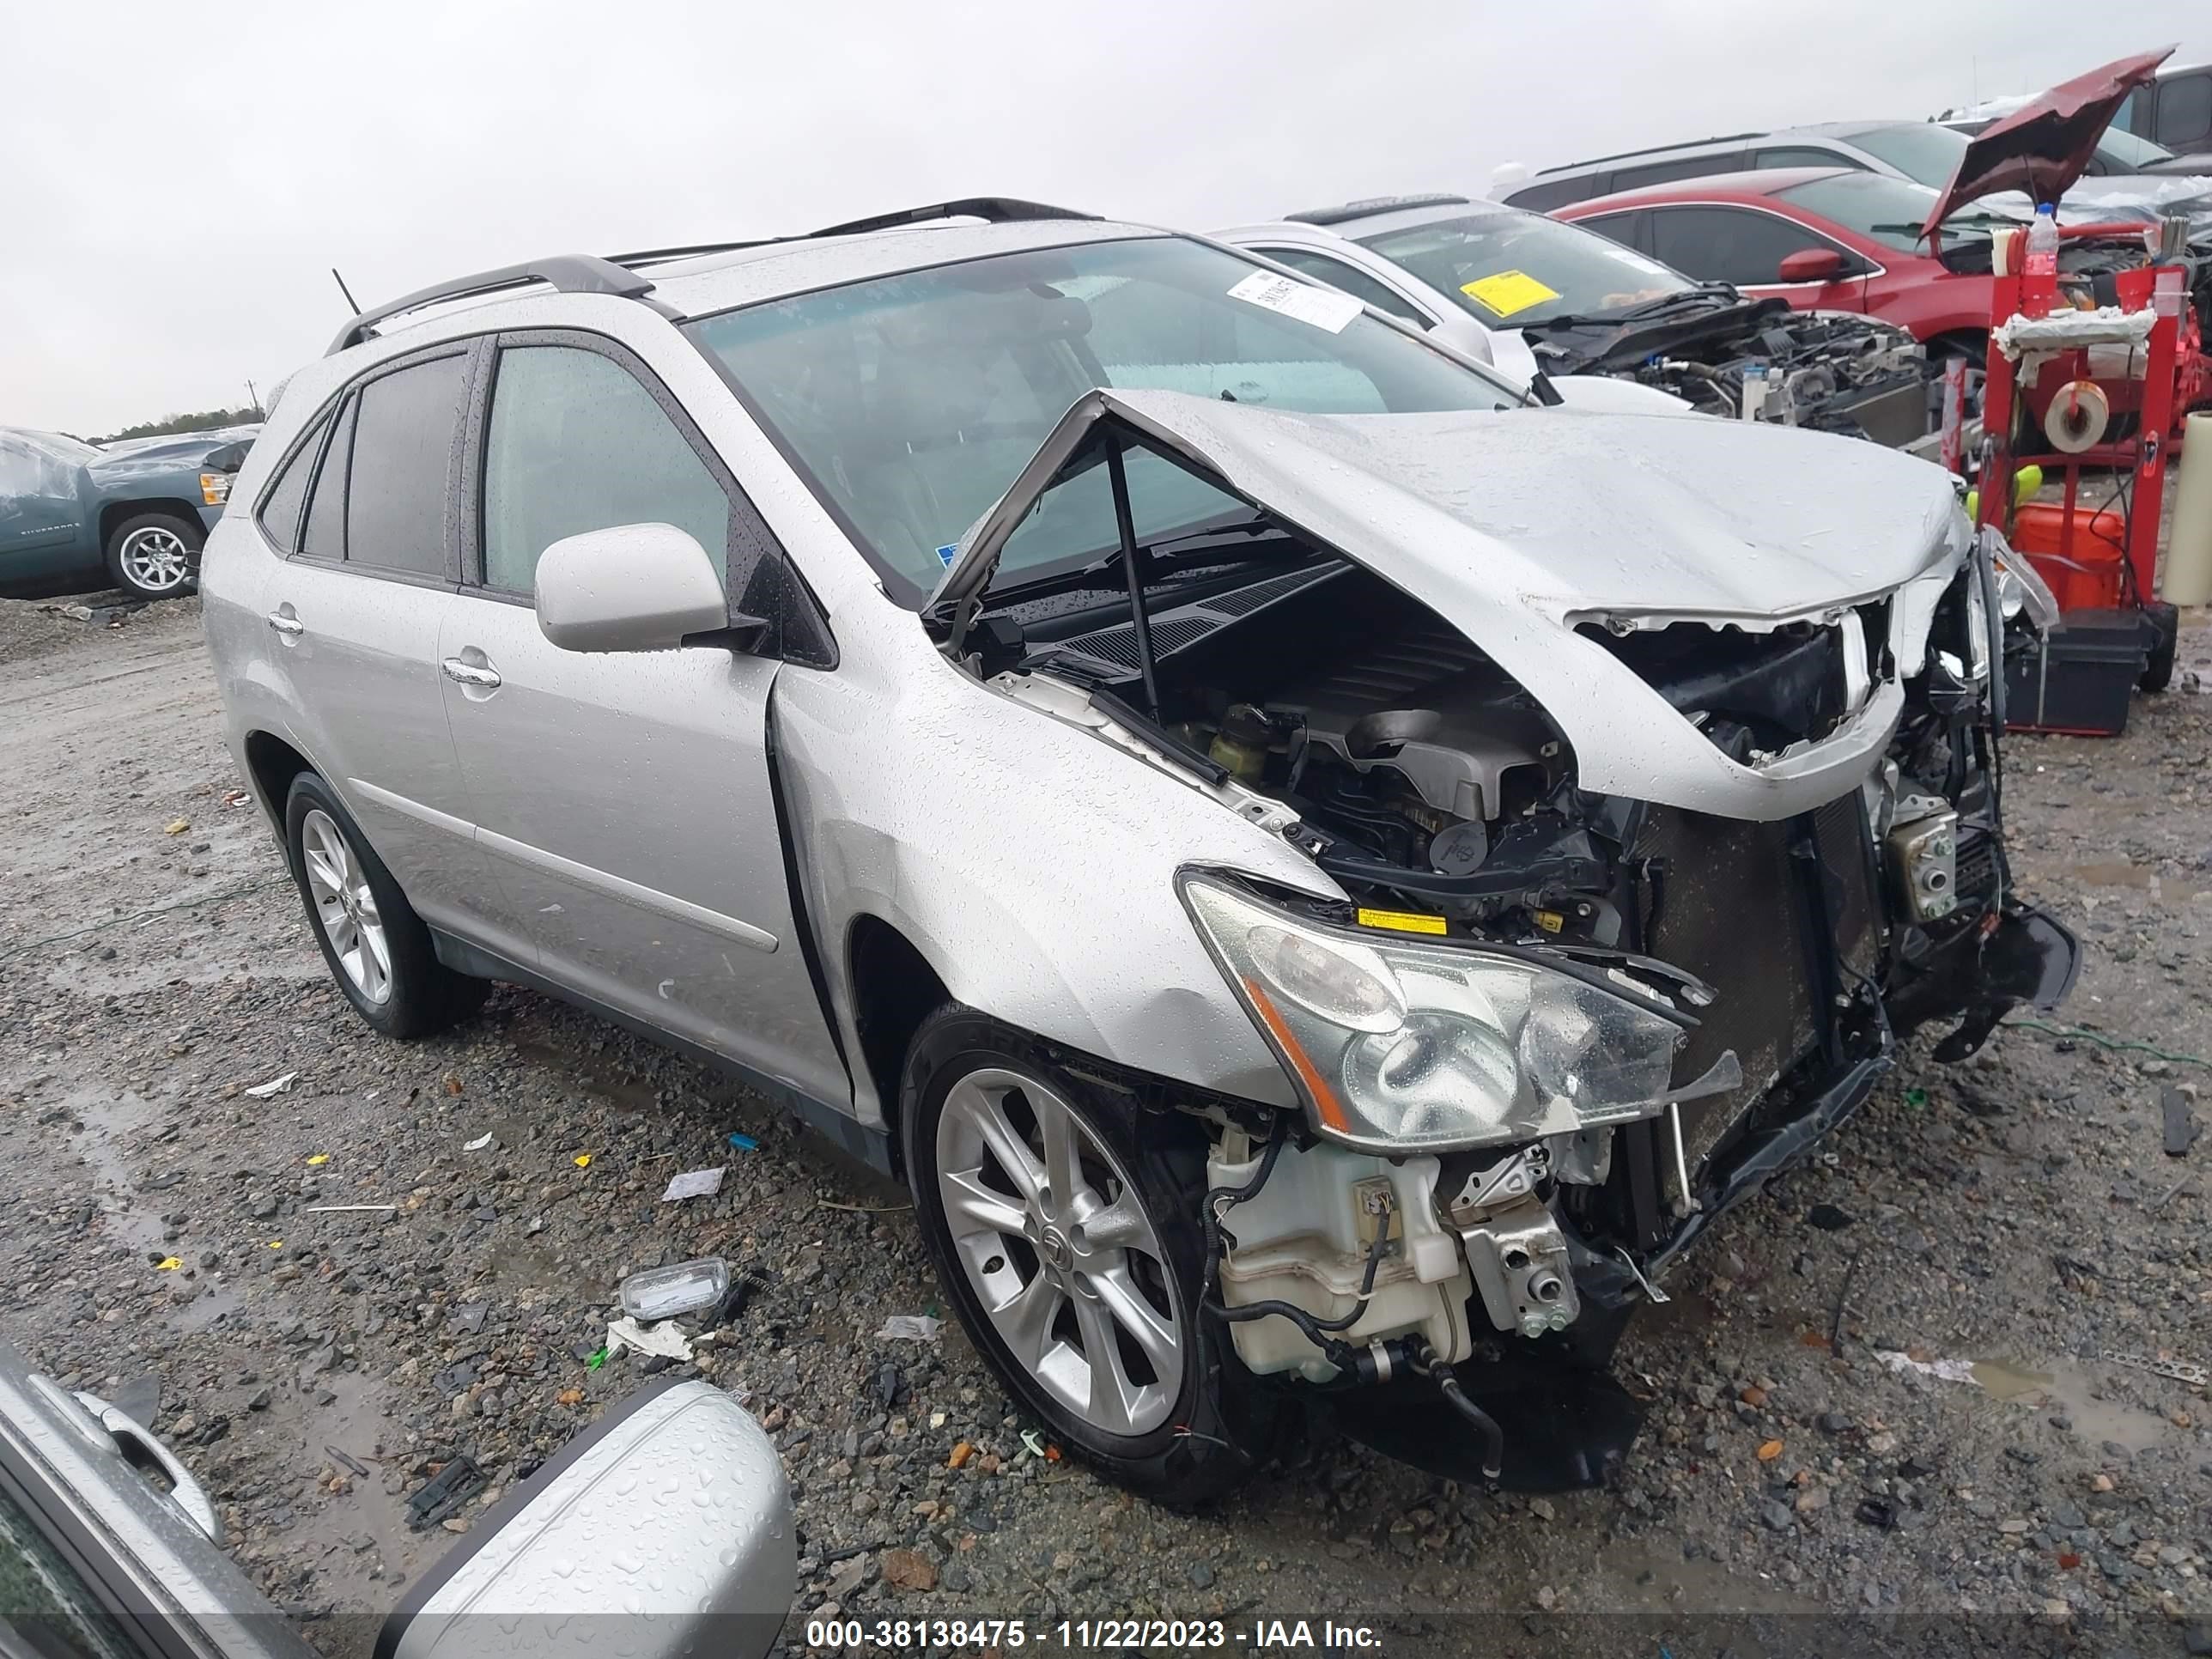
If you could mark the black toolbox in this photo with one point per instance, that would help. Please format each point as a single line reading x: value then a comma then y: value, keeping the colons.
x: 2078, y: 678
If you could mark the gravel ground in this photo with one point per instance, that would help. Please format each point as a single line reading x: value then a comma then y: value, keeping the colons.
x: 2018, y: 1214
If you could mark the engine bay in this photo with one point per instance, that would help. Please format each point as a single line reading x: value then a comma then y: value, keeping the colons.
x: 1420, y: 776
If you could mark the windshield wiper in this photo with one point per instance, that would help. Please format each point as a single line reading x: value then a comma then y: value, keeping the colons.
x: 1652, y: 307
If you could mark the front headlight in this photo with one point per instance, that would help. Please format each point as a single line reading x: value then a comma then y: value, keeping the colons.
x: 1399, y: 1045
x: 214, y: 488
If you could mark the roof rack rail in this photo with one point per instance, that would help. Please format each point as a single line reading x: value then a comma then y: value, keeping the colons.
x: 992, y: 210
x: 566, y: 273
x: 1654, y: 149
x: 692, y: 250
x: 1373, y: 205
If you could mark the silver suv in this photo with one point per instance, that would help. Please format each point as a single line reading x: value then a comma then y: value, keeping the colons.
x: 1323, y: 868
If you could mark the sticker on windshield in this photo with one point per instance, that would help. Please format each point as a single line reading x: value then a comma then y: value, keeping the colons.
x: 1318, y: 306
x: 1507, y: 291
x: 945, y: 554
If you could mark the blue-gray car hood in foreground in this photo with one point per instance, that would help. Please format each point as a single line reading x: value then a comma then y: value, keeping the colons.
x: 1517, y: 525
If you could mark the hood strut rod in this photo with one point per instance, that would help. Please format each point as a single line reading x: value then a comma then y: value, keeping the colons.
x: 1133, y: 561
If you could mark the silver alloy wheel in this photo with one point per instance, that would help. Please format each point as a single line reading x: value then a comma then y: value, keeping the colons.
x: 344, y: 905
x: 1061, y: 1255
x: 156, y: 559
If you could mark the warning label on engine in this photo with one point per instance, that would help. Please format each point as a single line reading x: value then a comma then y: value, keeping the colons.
x: 1506, y: 292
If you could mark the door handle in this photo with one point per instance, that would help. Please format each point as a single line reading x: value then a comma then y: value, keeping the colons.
x: 138, y: 1446
x: 468, y: 674
x: 290, y: 627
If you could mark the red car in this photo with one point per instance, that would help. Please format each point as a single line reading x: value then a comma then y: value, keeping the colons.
x: 1824, y: 238
x: 1828, y: 239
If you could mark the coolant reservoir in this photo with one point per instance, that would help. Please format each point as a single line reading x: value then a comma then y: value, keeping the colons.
x: 1242, y: 743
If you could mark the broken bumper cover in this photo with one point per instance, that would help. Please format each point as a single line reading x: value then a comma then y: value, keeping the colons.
x: 1567, y: 1422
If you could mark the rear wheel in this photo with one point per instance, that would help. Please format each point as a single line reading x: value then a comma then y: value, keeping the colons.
x: 377, y: 948
x: 155, y: 555
x: 1070, y: 1244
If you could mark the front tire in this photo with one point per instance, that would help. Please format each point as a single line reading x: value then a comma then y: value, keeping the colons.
x: 378, y: 950
x: 155, y: 555
x: 1063, y: 1221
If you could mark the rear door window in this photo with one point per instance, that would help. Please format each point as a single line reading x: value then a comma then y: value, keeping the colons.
x: 2184, y: 111
x: 325, y: 537
x: 1354, y: 282
x: 401, y: 476
x: 285, y: 504
x: 1730, y: 245
x: 1548, y: 193
x: 1687, y: 167
x: 1629, y: 230
x: 577, y: 443
x: 1800, y: 157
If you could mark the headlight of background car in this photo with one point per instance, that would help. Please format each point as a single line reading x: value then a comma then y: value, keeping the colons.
x: 214, y: 488
x: 1399, y: 1044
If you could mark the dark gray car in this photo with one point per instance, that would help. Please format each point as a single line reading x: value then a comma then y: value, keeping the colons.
x: 74, y: 517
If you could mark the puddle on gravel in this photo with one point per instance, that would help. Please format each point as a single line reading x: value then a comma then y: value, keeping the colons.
x: 593, y: 1076
x: 2071, y: 1391
x: 343, y: 1538
x: 115, y: 1138
x: 112, y: 1125
x: 2118, y: 872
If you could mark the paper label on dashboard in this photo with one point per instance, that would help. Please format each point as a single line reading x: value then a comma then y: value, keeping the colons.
x: 1506, y: 292
x: 1318, y: 306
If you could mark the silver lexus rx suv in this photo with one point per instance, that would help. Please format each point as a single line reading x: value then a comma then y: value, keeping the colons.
x: 1323, y: 867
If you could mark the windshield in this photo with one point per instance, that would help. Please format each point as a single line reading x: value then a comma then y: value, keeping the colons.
x: 1884, y: 210
x: 61, y: 445
x: 1926, y: 154
x: 2119, y: 148
x: 910, y: 403
x: 1521, y: 269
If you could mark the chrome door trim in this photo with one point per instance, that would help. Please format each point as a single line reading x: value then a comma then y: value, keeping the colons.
x: 628, y: 892
x: 614, y: 886
x: 413, y: 809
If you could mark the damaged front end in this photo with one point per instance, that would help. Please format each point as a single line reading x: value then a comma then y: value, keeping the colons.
x: 1641, y: 867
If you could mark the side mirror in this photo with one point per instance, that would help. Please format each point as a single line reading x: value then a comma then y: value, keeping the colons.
x: 1811, y: 264
x: 595, y: 1550
x: 228, y: 458
x: 634, y: 587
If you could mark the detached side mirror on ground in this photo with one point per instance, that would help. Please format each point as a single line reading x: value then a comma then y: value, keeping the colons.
x: 634, y: 587
x: 669, y: 1516
x: 1811, y: 264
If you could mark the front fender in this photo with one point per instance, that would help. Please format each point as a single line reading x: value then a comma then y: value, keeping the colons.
x: 1031, y: 865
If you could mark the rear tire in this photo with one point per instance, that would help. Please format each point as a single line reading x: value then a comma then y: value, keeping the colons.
x: 378, y: 950
x: 155, y: 555
x: 1046, y: 1282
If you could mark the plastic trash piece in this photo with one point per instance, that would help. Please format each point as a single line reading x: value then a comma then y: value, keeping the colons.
x: 445, y: 1491
x: 686, y: 1287
x: 167, y: 1264
x: 582, y: 1160
x: 693, y: 1183
x: 910, y: 1327
x: 480, y: 1143
x: 663, y: 1339
x: 315, y: 1160
x: 743, y: 1143
x: 276, y: 1085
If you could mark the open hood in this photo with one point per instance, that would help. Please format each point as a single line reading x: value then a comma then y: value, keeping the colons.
x: 2046, y: 144
x: 1517, y: 525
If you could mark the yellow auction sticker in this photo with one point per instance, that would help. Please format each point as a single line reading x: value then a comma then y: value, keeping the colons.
x: 1506, y: 292
x: 1402, y: 921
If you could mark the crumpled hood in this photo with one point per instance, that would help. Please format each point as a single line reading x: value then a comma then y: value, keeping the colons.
x: 2046, y: 143
x: 1515, y: 525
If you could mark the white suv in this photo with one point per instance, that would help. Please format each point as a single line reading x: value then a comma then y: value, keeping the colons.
x: 1323, y: 868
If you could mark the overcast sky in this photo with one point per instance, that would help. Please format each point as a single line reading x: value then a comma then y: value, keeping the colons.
x: 180, y: 178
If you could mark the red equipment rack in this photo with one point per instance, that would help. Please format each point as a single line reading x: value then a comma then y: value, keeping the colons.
x: 2114, y: 635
